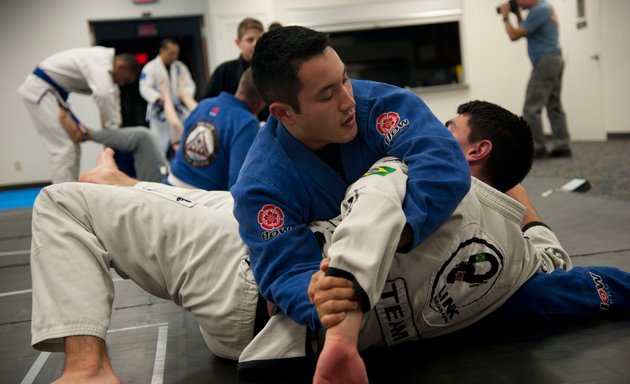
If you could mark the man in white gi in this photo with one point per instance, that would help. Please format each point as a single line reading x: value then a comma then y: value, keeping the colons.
x: 165, y: 68
x: 96, y: 71
x: 493, y: 255
x: 199, y: 261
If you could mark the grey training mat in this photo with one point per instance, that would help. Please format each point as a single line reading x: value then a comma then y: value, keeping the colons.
x: 584, y: 224
x: 154, y: 341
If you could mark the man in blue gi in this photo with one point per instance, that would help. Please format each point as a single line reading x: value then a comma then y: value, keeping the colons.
x: 326, y: 131
x: 216, y: 138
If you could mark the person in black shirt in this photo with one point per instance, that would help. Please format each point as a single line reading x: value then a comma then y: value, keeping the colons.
x: 226, y: 76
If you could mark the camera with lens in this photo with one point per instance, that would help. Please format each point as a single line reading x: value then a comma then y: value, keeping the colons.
x: 513, y: 7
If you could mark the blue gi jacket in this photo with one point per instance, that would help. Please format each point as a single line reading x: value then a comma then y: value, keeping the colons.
x: 283, y: 186
x: 216, y: 138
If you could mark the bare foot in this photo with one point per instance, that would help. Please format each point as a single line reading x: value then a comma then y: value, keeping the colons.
x: 71, y: 127
x: 106, y: 171
x: 101, y: 377
x: 340, y: 362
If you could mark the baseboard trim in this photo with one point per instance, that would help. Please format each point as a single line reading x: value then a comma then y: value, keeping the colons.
x: 12, y: 187
x: 618, y: 135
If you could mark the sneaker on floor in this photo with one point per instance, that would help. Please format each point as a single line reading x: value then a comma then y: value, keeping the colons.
x: 540, y: 153
x: 564, y: 152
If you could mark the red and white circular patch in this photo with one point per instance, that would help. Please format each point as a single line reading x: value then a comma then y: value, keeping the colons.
x: 386, y: 122
x: 270, y: 217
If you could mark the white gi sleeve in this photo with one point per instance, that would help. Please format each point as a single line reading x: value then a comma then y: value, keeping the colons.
x: 148, y: 82
x: 189, y: 85
x: 548, y: 246
x: 97, y: 71
x: 364, y: 243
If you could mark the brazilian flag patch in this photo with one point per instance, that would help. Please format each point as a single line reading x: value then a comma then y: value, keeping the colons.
x: 381, y: 171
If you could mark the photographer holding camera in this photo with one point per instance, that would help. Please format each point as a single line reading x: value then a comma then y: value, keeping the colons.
x: 540, y: 27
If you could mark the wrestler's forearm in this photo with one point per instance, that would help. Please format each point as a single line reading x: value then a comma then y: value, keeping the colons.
x: 339, y: 361
x: 188, y: 101
x: 519, y: 193
x: 348, y: 330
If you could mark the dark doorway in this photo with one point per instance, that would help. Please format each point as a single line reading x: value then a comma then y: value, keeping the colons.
x: 141, y: 37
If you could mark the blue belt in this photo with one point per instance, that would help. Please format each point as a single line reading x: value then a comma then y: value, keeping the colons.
x: 42, y: 75
x: 62, y: 92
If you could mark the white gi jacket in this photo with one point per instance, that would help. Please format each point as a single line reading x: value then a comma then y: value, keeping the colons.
x: 155, y: 70
x: 82, y: 70
x: 464, y: 271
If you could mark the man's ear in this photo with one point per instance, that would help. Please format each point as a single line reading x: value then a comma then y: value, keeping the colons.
x: 282, y: 112
x: 480, y: 150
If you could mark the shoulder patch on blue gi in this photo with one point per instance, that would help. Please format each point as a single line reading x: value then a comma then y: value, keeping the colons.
x: 390, y: 124
x: 201, y: 144
x: 395, y: 314
x: 462, y: 287
x: 271, y: 219
x: 214, y: 111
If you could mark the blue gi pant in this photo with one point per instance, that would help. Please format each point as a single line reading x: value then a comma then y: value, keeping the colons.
x: 580, y: 294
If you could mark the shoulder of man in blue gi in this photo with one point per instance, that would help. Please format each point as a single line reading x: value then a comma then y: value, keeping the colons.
x: 215, y: 141
x: 282, y: 187
x: 396, y: 122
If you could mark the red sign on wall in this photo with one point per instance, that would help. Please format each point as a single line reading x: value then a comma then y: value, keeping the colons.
x: 147, y: 29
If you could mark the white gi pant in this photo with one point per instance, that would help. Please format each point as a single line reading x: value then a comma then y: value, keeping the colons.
x: 177, y: 244
x: 65, y: 155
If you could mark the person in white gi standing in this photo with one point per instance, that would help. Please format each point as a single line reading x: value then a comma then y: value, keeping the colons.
x: 165, y: 67
x: 94, y: 70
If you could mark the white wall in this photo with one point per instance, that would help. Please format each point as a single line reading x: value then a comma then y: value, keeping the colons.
x: 497, y: 69
x: 615, y: 60
x: 224, y: 19
x: 494, y: 68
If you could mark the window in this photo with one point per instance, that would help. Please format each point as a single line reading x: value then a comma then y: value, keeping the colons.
x: 409, y: 56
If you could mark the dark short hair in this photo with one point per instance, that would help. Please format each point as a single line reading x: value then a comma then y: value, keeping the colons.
x: 130, y: 62
x: 274, y: 25
x: 166, y: 41
x: 512, y: 143
x: 277, y: 58
x: 247, y: 88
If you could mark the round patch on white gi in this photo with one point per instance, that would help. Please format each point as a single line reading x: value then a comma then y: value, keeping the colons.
x: 465, y: 284
x: 201, y: 144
